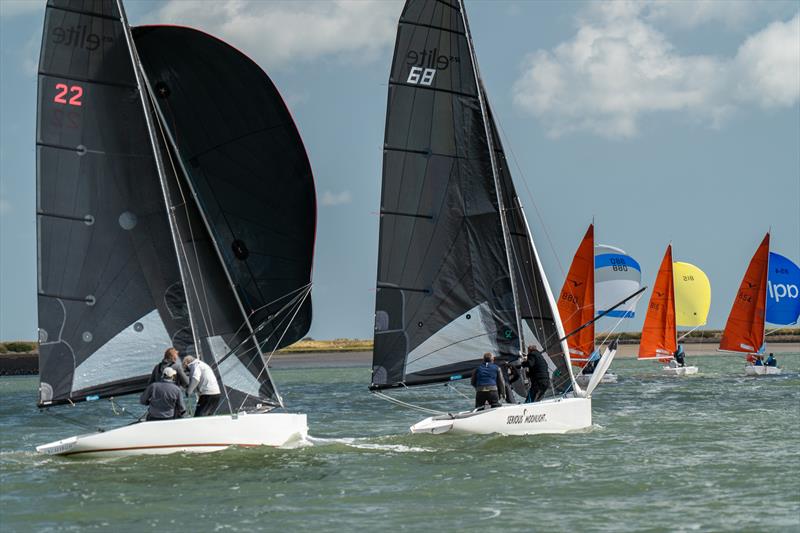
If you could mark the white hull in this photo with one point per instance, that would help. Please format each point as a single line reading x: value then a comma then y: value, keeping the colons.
x: 549, y: 416
x: 751, y: 370
x: 583, y: 379
x: 198, y: 435
x: 680, y: 370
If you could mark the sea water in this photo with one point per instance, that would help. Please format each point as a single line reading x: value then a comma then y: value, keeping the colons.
x: 712, y: 452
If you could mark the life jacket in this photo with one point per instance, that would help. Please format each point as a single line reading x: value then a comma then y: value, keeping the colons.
x: 486, y: 375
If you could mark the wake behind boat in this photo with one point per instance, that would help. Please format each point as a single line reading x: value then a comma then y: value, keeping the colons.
x: 458, y: 271
x: 155, y: 214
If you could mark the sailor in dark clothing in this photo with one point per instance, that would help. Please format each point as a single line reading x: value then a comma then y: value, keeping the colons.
x: 164, y: 399
x: 759, y: 360
x: 680, y: 356
x: 170, y: 361
x: 771, y: 361
x: 488, y: 382
x: 511, y: 374
x: 538, y: 373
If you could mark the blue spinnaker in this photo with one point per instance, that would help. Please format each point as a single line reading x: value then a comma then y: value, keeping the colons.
x: 783, y: 291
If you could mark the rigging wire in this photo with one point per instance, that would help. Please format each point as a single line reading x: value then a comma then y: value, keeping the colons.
x: 391, y: 399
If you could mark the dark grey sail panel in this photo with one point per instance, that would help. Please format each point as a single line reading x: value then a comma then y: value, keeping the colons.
x: 246, y: 161
x: 107, y: 274
x: 536, y: 309
x: 443, y: 276
x: 224, y: 341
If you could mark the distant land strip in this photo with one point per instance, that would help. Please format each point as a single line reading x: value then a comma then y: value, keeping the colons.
x: 21, y: 357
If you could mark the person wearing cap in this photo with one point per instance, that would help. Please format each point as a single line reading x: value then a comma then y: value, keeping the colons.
x: 488, y: 382
x: 163, y: 398
x: 204, y: 382
x: 170, y: 361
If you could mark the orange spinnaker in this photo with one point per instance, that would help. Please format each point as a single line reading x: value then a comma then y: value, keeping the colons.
x: 744, y: 331
x: 576, y: 301
x: 659, y: 339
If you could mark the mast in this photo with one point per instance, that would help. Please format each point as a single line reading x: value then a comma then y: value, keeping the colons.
x: 138, y: 72
x: 215, y: 245
x: 493, y: 162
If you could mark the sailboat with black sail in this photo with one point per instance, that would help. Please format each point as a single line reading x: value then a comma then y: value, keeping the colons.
x: 157, y: 227
x: 458, y: 272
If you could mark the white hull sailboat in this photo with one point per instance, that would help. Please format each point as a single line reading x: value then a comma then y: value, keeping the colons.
x: 681, y: 297
x: 598, y: 277
x: 765, y: 295
x: 135, y: 251
x: 187, y: 435
x: 559, y: 415
x: 752, y: 370
x: 458, y: 271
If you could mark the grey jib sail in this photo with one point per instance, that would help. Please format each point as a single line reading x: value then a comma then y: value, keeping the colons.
x: 536, y: 311
x: 110, y: 295
x: 445, y: 291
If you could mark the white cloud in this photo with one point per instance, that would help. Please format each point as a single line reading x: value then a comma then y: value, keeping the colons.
x: 336, y: 198
x: 279, y: 33
x: 619, y: 67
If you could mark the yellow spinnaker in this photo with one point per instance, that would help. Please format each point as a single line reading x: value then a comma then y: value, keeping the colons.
x: 692, y: 295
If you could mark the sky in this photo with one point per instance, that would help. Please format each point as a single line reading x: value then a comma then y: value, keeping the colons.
x: 663, y: 121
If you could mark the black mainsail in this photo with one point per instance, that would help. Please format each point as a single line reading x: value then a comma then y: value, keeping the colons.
x: 457, y: 271
x: 109, y: 289
x: 151, y: 260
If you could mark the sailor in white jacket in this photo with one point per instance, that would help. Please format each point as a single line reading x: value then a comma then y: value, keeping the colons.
x: 202, y: 380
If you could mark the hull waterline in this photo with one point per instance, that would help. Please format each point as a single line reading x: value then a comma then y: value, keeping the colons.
x: 680, y: 370
x: 751, y: 370
x: 560, y: 415
x: 194, y: 435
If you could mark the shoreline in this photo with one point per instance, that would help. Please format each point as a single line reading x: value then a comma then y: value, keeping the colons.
x: 27, y: 363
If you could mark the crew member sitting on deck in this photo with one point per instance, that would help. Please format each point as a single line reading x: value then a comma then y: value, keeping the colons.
x: 680, y: 356
x: 170, y: 361
x: 202, y: 380
x: 164, y: 399
x: 488, y: 382
x: 771, y: 361
x: 759, y: 360
x: 538, y: 373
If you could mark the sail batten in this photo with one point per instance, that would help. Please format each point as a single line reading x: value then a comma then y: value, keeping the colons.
x: 105, y: 256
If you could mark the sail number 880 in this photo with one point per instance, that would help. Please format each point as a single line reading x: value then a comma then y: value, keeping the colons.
x: 421, y: 76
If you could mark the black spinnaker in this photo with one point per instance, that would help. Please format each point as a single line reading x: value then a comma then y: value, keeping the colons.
x: 457, y: 272
x: 110, y: 297
x: 246, y: 162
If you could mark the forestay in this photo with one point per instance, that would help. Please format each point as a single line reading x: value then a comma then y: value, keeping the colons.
x: 109, y: 290
x: 446, y: 287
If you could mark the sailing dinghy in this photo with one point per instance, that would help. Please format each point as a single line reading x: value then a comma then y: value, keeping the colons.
x: 175, y: 208
x: 681, y: 297
x: 458, y: 272
x: 768, y: 293
x: 598, y: 278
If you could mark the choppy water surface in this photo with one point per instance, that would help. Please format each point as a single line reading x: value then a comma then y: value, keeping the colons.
x: 718, y: 451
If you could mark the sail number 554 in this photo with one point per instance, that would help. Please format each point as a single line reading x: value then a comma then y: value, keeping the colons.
x: 421, y: 76
x: 68, y: 95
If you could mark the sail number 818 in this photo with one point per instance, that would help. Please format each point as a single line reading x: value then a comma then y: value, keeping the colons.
x: 421, y: 76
